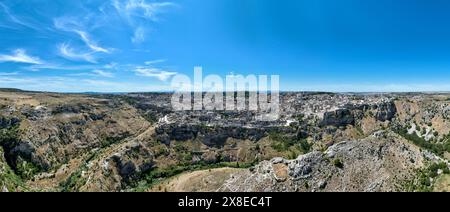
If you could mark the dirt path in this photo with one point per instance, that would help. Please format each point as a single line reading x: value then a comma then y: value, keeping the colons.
x: 197, y: 181
x: 443, y: 184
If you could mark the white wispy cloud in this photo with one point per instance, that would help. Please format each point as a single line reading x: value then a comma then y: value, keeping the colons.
x: 55, y: 66
x: 66, y: 51
x: 141, y: 8
x: 16, y: 20
x: 90, y: 43
x: 139, y: 35
x: 20, y: 56
x: 152, y: 62
x: 9, y: 73
x: 149, y: 70
x: 103, y: 73
x: 94, y: 73
x: 111, y: 65
x: 155, y: 73
x: 133, y: 11
x: 76, y: 26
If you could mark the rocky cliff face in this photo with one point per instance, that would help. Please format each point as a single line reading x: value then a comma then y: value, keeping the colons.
x: 352, y: 114
x: 68, y: 133
x: 52, y: 130
x: 381, y: 162
x: 214, y: 135
x: 338, y: 118
x: 385, y: 111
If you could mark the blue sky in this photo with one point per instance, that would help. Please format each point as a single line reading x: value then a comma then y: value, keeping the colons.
x: 138, y: 45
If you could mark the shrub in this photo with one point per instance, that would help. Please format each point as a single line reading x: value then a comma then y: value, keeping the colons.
x: 338, y: 163
x: 423, y: 182
x: 437, y: 148
x: 305, y: 146
x: 284, y: 143
x: 258, y: 148
x: 150, y: 117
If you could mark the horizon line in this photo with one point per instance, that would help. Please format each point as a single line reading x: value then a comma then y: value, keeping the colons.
x: 167, y: 91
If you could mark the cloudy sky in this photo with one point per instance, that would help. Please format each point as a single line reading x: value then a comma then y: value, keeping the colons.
x: 139, y: 45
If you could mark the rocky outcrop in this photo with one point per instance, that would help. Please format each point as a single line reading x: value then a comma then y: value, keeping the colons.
x: 351, y: 114
x: 116, y: 168
x: 8, y: 122
x: 132, y: 161
x: 338, y: 118
x: 385, y: 111
x: 212, y: 136
x: 378, y: 163
x: 9, y: 180
x: 16, y: 150
x: 75, y: 129
x: 58, y: 128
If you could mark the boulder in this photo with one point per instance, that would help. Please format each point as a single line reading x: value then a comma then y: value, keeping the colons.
x: 386, y: 111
